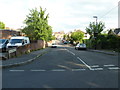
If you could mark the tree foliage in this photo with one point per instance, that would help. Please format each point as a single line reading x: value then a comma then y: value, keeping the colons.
x: 102, y: 41
x: 53, y: 38
x: 95, y: 28
x: 106, y: 41
x: 37, y: 25
x: 77, y: 36
x: 2, y: 25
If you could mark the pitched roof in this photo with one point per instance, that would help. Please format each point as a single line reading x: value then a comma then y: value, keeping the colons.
x: 8, y: 30
x: 117, y: 30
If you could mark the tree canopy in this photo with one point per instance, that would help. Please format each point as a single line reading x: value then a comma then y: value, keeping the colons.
x: 37, y: 27
x: 95, y: 28
x: 2, y: 25
x: 77, y: 36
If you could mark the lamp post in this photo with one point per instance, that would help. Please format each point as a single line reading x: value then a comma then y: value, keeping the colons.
x: 95, y: 32
x: 96, y: 18
x: 86, y: 38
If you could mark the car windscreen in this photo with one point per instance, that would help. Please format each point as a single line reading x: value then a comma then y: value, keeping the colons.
x: 82, y: 45
x: 16, y: 40
x: 2, y: 41
x: 53, y: 44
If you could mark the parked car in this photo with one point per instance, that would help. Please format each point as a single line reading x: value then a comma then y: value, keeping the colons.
x: 3, y: 44
x: 18, y: 41
x: 65, y: 42
x: 54, y: 45
x: 80, y: 46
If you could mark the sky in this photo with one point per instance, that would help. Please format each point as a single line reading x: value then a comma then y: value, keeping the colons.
x: 64, y: 15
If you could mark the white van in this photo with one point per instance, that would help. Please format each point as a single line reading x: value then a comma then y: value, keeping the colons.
x: 18, y: 41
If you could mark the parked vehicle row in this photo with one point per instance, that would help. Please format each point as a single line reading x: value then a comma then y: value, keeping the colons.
x: 13, y: 42
x: 17, y: 41
x: 65, y: 42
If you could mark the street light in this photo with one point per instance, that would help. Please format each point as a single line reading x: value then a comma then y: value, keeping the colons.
x: 96, y: 21
x: 86, y: 38
x: 95, y: 32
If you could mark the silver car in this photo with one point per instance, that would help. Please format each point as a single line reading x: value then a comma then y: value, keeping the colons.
x: 3, y: 44
x: 81, y: 46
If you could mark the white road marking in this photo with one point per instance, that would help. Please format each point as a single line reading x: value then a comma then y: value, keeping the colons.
x: 113, y: 68
x: 85, y: 63
x: 78, y: 69
x: 37, y: 70
x: 95, y: 66
x: 60, y: 70
x: 110, y: 65
x: 98, y: 68
x: 70, y: 52
x: 16, y: 70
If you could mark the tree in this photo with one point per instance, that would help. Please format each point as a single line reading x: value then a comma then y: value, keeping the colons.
x: 2, y: 25
x: 77, y: 36
x: 68, y: 37
x: 94, y: 29
x: 53, y: 38
x: 37, y: 25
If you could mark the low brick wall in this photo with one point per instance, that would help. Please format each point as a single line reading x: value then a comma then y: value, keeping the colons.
x: 23, y: 49
x: 34, y: 45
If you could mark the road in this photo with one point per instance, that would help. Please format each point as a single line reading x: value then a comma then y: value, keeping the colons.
x: 65, y: 67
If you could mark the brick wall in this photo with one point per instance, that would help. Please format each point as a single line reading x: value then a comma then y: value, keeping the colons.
x: 39, y: 44
x: 7, y: 34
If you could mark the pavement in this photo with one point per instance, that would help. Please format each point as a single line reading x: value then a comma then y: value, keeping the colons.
x: 23, y: 59
x: 104, y: 51
x: 28, y: 58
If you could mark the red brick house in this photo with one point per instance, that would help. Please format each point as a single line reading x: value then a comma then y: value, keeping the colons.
x: 7, y: 34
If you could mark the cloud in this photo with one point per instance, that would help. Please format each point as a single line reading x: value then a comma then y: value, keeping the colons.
x: 64, y: 14
x: 13, y: 13
x: 81, y: 12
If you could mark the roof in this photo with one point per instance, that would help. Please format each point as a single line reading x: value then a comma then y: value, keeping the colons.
x: 117, y: 30
x: 118, y: 34
x: 8, y: 30
x: 58, y: 32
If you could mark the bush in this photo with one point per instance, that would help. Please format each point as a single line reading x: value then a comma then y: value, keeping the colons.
x: 111, y: 42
